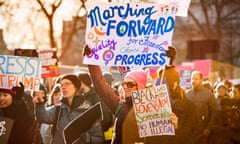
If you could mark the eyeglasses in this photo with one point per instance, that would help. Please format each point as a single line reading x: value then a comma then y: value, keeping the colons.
x: 129, y: 84
x: 66, y: 84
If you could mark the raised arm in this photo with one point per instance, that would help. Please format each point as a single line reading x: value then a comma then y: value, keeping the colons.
x: 105, y: 92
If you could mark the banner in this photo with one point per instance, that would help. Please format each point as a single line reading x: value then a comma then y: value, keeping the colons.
x: 129, y: 34
x: 152, y: 109
x: 15, y: 69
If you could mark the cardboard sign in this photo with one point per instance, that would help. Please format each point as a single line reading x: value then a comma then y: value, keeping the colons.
x: 15, y: 69
x: 152, y: 109
x: 83, y: 123
x: 129, y: 34
x: 5, y: 129
x: 49, y: 63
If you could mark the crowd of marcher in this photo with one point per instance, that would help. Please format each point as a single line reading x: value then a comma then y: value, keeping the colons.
x: 204, y: 114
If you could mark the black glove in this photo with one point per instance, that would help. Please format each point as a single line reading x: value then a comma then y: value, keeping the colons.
x: 86, y: 138
x: 171, y: 53
x: 19, y: 91
x: 86, y: 50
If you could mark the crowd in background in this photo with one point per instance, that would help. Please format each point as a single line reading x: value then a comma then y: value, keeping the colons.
x: 207, y: 113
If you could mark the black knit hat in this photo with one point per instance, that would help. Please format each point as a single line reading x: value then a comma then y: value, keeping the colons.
x: 73, y: 78
x: 84, y: 77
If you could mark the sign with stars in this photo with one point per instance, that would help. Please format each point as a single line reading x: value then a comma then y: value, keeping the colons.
x: 129, y: 34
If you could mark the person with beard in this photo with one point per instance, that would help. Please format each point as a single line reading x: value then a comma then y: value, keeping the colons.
x: 125, y: 126
x: 206, y: 107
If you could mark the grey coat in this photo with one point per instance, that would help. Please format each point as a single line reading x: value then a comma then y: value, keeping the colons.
x: 64, y: 115
x: 206, y: 107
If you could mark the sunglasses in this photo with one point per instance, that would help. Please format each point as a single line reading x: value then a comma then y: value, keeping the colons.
x: 129, y: 84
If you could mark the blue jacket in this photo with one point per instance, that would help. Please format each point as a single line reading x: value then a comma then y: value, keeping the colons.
x: 66, y: 114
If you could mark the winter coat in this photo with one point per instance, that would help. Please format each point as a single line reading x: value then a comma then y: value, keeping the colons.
x: 20, y: 132
x: 65, y: 115
x: 206, y: 108
x: 111, y: 99
x: 125, y: 126
x: 226, y: 129
x: 107, y: 121
x: 187, y: 121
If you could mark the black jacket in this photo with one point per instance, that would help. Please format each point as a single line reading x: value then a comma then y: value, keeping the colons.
x: 18, y: 112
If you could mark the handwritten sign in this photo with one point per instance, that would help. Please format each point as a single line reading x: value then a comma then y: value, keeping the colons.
x: 152, y: 108
x: 15, y: 69
x: 49, y: 63
x: 183, y: 6
x: 129, y: 34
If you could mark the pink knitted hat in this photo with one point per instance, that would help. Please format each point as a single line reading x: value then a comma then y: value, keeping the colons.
x: 139, y: 76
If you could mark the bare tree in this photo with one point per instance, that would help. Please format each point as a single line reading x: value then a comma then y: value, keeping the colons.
x: 78, y: 23
x: 54, y: 6
x: 219, y: 19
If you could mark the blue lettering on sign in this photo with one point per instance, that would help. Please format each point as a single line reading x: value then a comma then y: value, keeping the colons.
x: 146, y: 42
x: 141, y: 59
x: 134, y: 26
x: 20, y: 66
x: 97, y: 19
x: 160, y: 26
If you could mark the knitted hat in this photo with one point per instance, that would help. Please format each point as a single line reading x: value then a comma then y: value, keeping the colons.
x: 139, y: 76
x: 44, y: 88
x: 84, y: 77
x: 10, y: 91
x: 73, y: 78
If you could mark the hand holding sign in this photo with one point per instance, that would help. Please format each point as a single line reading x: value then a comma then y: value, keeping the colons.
x: 19, y: 91
x: 86, y: 50
x: 174, y: 120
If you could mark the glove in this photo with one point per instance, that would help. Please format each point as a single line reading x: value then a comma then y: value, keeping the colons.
x: 86, y: 50
x: 19, y: 91
x: 171, y: 52
x: 86, y: 138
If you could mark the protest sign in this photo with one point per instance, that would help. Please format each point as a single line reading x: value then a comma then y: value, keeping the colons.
x: 5, y: 129
x: 49, y: 63
x: 129, y: 34
x: 25, y: 52
x: 15, y: 69
x: 82, y: 123
x: 152, y: 109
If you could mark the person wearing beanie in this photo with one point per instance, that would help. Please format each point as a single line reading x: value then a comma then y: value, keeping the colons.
x: 139, y: 76
x: 89, y: 93
x: 71, y: 106
x: 13, y: 107
x: 55, y: 95
x: 126, y: 129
